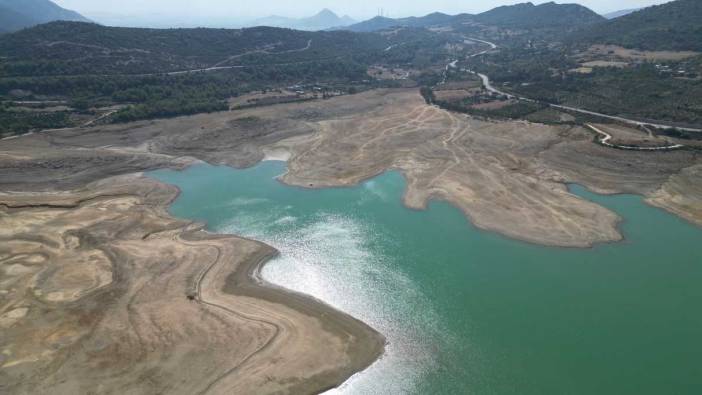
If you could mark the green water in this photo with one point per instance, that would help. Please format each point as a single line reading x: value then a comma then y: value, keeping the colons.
x: 468, y: 311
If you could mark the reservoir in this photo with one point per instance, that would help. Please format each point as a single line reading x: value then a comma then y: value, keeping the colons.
x: 467, y: 311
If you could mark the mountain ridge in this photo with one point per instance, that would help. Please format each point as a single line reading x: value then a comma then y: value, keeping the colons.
x: 382, y: 22
x: 670, y: 26
x: 16, y: 15
x: 523, y: 15
x: 528, y: 15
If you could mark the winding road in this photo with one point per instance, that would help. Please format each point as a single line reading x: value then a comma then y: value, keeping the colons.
x: 606, y: 137
x: 488, y: 86
x: 263, y: 51
x: 219, y: 66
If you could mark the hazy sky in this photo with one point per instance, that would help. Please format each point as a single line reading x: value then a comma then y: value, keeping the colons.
x: 244, y: 9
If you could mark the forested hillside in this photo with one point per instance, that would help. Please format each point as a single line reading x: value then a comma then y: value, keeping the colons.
x: 528, y: 15
x: 147, y: 73
x: 68, y: 48
x: 381, y: 23
x: 167, y: 72
x: 672, y: 26
x: 518, y: 16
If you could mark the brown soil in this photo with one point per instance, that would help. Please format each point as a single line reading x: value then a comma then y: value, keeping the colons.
x: 627, y: 136
x: 452, y: 95
x: 617, y: 52
x: 97, y: 276
x: 493, y: 105
x: 102, y: 291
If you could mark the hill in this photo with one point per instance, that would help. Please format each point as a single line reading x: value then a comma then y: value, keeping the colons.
x: 519, y: 16
x: 152, y: 73
x: 70, y: 48
x: 374, y: 24
x: 167, y: 72
x: 381, y: 23
x: 547, y: 15
x: 323, y: 20
x: 16, y: 15
x: 671, y: 26
x: 617, y: 14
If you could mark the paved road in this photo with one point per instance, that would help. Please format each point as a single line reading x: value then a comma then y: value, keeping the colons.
x: 451, y: 65
x: 633, y: 122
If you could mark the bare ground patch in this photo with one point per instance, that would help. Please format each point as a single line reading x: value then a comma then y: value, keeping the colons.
x: 614, y: 51
x: 72, y: 324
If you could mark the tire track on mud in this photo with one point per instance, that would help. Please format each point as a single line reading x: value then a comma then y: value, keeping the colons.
x: 277, y: 329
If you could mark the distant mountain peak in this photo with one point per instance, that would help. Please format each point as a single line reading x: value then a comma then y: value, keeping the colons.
x: 324, y: 19
x: 327, y: 13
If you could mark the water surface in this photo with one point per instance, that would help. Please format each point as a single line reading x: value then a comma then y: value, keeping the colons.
x: 468, y: 311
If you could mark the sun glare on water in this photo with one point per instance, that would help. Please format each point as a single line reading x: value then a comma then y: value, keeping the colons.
x: 331, y: 257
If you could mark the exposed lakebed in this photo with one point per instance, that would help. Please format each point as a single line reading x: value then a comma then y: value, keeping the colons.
x: 469, y: 311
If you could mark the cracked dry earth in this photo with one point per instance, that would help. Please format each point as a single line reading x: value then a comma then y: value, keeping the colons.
x: 95, y: 273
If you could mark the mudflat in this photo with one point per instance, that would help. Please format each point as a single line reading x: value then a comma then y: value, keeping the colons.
x: 102, y: 289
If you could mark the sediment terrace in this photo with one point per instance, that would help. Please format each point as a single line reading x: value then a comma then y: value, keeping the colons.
x: 98, y: 278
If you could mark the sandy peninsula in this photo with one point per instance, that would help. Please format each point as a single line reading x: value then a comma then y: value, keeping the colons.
x: 104, y: 291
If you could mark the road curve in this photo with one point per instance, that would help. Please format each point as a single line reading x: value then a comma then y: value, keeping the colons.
x: 488, y: 86
x: 606, y: 137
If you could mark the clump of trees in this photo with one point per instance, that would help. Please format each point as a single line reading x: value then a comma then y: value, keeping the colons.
x: 428, y: 94
x: 13, y: 122
x: 166, y: 109
x: 640, y: 90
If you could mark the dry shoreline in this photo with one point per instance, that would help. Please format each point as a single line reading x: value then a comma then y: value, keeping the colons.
x: 117, y: 231
x: 533, y: 241
x: 367, y: 347
x: 245, y: 280
x: 96, y: 271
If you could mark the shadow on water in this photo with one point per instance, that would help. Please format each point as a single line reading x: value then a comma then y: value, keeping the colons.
x: 468, y: 311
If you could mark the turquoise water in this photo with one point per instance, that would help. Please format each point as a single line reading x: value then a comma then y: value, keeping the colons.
x: 468, y: 311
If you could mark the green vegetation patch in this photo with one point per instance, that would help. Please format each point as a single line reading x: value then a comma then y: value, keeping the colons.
x: 14, y: 122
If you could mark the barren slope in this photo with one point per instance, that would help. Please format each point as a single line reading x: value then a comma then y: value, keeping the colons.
x: 95, y: 273
x: 96, y: 296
